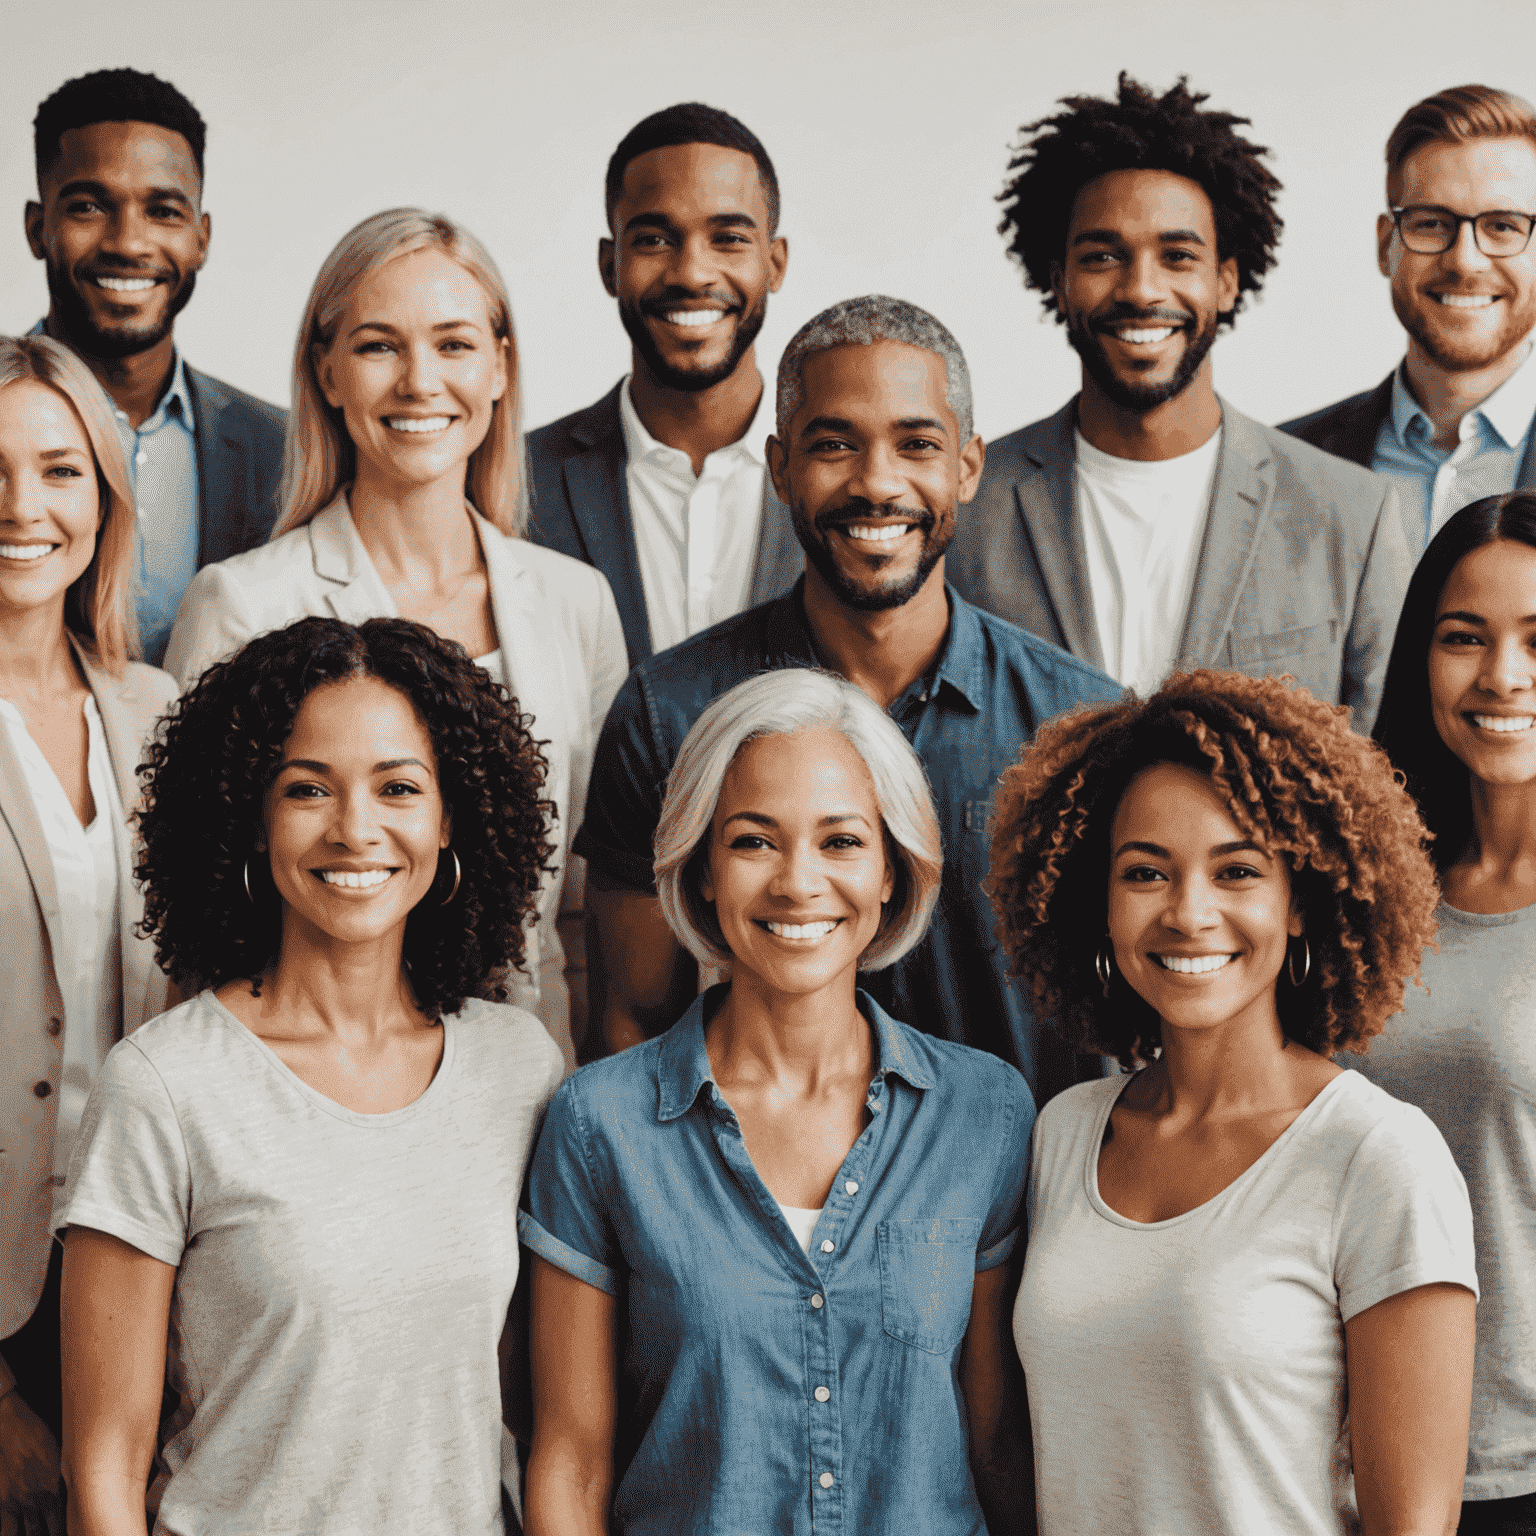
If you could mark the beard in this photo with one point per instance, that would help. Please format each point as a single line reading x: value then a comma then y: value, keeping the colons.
x: 1456, y: 354
x: 814, y: 534
x: 689, y: 381
x: 80, y: 327
x: 1139, y: 399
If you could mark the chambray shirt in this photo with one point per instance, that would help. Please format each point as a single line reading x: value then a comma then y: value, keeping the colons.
x: 162, y: 470
x: 1433, y: 483
x: 764, y: 1390
x: 987, y: 693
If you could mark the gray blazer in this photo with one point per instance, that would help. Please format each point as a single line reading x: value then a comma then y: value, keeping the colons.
x: 580, y: 506
x: 1302, y: 567
x: 32, y: 1005
x: 239, y: 444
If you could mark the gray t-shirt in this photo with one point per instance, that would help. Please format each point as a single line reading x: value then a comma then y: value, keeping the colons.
x: 1466, y: 1055
x: 342, y: 1278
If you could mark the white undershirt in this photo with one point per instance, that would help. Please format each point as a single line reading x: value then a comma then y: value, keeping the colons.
x: 1142, y: 521
x: 695, y: 535
x: 85, y: 878
x: 801, y: 1222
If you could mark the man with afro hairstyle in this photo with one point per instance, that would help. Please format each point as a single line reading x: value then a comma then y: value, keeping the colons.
x: 119, y: 227
x: 1148, y: 525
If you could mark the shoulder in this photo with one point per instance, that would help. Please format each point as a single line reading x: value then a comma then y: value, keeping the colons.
x: 1371, y: 1134
x: 1078, y: 1107
x: 575, y: 433
x: 511, y: 1038
x: 1025, y: 449
x: 265, y: 563
x: 260, y: 417
x: 715, y: 658
x: 1305, y: 472
x: 971, y: 1076
x: 181, y: 1047
x: 1053, y: 679
x: 615, y: 1095
x: 148, y: 689
x: 1323, y: 427
x: 562, y: 581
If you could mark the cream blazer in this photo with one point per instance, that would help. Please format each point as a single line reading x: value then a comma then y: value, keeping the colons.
x: 562, y: 652
x: 31, y: 1004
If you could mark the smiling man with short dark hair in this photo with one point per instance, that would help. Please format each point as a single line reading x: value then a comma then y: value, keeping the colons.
x: 119, y: 226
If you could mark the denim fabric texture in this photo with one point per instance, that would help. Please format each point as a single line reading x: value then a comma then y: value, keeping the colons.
x: 989, y: 690
x: 763, y: 1389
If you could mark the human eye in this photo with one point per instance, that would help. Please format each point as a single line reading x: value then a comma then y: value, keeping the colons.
x: 1457, y: 638
x: 1426, y: 221
x: 457, y: 344
x: 1240, y: 872
x: 749, y: 842
x: 167, y: 213
x: 399, y: 789
x: 830, y: 445
x: 80, y: 207
x: 62, y: 472
x: 648, y: 240
x: 304, y: 789
x: 844, y: 842
x: 1142, y: 874
x: 375, y: 347
x: 922, y: 445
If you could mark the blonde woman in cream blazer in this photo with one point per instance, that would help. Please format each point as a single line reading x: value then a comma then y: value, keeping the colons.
x: 404, y: 432
x: 75, y: 715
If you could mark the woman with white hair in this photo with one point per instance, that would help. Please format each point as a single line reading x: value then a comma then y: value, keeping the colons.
x: 796, y: 1211
x: 404, y: 495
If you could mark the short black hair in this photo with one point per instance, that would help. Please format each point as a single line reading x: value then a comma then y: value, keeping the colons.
x: 215, y: 755
x: 114, y: 96
x: 1059, y: 155
x: 691, y: 122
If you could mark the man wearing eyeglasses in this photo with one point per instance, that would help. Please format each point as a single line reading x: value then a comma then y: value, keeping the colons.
x: 1454, y: 421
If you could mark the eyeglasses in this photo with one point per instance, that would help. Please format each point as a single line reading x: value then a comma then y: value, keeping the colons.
x: 1429, y: 231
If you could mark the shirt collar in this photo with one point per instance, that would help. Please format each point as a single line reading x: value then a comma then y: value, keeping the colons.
x: 682, y: 1062
x: 1508, y: 410
x: 177, y: 392
x: 638, y: 443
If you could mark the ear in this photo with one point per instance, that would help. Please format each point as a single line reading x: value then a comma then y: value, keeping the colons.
x: 32, y: 222
x: 1059, y: 286
x: 607, y: 266
x: 320, y: 360
x: 1226, y: 286
x: 1296, y: 924
x: 501, y: 369
x: 445, y: 836
x: 205, y: 234
x: 778, y: 468
x: 973, y: 458
x: 707, y: 879
x: 778, y: 263
x: 1385, y: 229
x: 888, y: 888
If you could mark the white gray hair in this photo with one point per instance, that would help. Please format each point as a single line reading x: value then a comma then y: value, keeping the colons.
x: 861, y: 322
x: 778, y: 704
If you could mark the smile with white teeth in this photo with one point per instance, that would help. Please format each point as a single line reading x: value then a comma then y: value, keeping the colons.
x: 1464, y: 300
x: 26, y: 551
x: 355, y: 879
x: 1504, y: 724
x: 800, y: 930
x: 125, y: 284
x: 881, y: 533
x: 1141, y: 338
x: 694, y: 317
x: 1192, y: 965
x: 417, y: 423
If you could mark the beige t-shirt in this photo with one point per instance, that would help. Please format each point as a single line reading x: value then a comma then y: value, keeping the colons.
x: 342, y: 1279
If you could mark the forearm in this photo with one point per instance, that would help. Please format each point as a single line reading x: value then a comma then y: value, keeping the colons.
x: 568, y: 1493
x: 1004, y: 1471
x: 105, y: 1502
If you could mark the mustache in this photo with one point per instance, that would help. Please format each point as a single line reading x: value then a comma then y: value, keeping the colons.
x: 670, y: 298
x: 1122, y: 314
x: 108, y: 266
x: 857, y: 510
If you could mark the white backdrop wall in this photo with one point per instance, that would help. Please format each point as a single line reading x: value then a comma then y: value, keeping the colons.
x: 889, y: 124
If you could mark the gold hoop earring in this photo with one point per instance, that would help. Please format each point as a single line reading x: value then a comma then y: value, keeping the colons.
x: 1104, y: 966
x: 245, y: 874
x: 1306, y: 961
x: 456, y: 873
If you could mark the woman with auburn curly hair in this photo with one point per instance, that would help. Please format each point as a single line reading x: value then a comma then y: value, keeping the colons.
x: 1222, y: 885
x: 1457, y: 719
x: 295, y: 1195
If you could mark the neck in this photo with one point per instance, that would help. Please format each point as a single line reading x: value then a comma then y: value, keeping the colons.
x: 136, y: 382
x: 410, y: 527
x: 799, y: 1038
x: 1239, y: 1063
x: 1445, y: 397
x: 1503, y: 848
x: 697, y: 423
x: 883, y: 652
x: 1167, y: 431
x: 352, y: 990
x: 36, y: 662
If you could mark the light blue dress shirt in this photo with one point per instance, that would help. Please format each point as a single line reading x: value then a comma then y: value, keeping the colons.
x: 162, y: 469
x: 1431, y: 483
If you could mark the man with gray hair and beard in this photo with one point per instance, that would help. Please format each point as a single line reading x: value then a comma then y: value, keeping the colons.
x: 874, y: 456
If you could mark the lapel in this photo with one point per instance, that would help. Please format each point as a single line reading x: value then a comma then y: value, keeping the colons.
x: 1234, y: 525
x: 20, y: 815
x: 359, y: 594
x: 780, y: 559
x: 598, y: 495
x: 120, y: 722
x: 513, y: 600
x: 1047, y: 505
x: 215, y: 452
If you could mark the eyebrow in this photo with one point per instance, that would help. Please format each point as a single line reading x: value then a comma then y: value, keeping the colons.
x: 315, y: 766
x: 656, y: 220
x: 1114, y: 237
x: 1240, y: 845
x: 759, y: 820
x: 61, y: 453
x: 1465, y: 616
x: 384, y: 325
x: 98, y: 189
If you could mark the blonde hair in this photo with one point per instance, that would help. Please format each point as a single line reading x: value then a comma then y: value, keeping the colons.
x: 318, y: 455
x: 96, y: 607
x: 778, y: 704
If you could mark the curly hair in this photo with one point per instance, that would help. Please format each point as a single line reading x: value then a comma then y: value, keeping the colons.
x: 1295, y: 778
x: 216, y: 754
x: 1059, y: 155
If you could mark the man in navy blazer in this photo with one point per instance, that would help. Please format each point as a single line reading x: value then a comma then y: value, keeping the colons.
x: 662, y: 484
x: 120, y: 229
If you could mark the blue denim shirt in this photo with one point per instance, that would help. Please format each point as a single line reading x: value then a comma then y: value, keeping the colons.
x: 765, y: 1392
x: 991, y: 687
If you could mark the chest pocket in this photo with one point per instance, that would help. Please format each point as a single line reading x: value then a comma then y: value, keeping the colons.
x: 927, y: 1269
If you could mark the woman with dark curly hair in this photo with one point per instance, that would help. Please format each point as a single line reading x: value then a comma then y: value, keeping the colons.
x: 1458, y: 719
x: 295, y: 1195
x: 1222, y: 885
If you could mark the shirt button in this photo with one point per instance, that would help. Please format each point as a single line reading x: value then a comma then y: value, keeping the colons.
x: 55, y: 1025
x: 816, y: 1301
x: 822, y: 1394
x: 852, y: 1186
x: 42, y: 1090
x: 825, y: 1479
x: 827, y: 1245
x: 141, y: 457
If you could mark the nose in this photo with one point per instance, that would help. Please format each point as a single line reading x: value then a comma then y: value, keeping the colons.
x: 1464, y: 255
x: 355, y: 823
x: 877, y: 475
x: 129, y: 233
x: 798, y: 875
x: 21, y: 498
x: 1507, y: 668
x: 693, y: 265
x: 1191, y: 907
x: 419, y: 373
x: 1143, y: 281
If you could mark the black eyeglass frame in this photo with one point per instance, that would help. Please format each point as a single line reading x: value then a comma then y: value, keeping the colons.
x: 1460, y: 219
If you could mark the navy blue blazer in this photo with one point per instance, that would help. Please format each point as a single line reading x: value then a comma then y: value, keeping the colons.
x: 579, y: 498
x: 239, y: 443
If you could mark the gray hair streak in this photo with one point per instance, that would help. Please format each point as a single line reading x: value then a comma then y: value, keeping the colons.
x: 861, y: 322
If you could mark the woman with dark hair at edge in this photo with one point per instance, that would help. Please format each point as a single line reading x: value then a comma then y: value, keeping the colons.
x: 1248, y: 1297
x: 1458, y: 719
x: 294, y: 1196
x: 75, y: 713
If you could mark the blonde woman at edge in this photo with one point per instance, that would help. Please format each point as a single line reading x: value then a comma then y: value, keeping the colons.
x: 403, y: 495
x: 74, y: 716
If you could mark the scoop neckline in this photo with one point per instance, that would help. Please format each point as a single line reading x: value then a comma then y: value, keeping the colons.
x: 1248, y: 1175
x: 1487, y: 919
x: 419, y: 1105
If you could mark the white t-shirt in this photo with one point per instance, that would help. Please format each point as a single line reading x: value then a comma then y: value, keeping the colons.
x: 342, y: 1278
x: 802, y: 1222
x: 1186, y: 1377
x: 695, y: 535
x: 1142, y: 523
